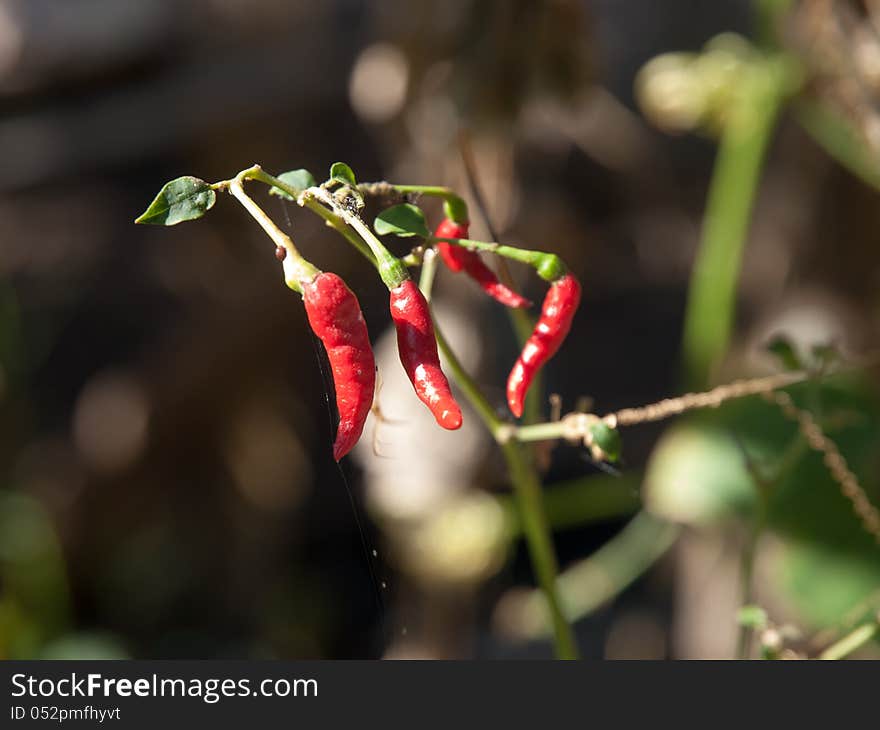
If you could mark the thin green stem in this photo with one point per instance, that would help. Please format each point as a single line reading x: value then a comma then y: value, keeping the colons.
x: 435, y: 190
x: 391, y: 269
x: 523, y: 476
x: 747, y: 569
x: 764, y: 485
x: 592, y: 582
x: 258, y: 173
x: 527, y: 488
x: 429, y: 271
x: 469, y: 387
x: 712, y: 294
x: 337, y: 224
x: 747, y: 560
x: 296, y: 268
x: 854, y: 640
x: 454, y: 206
x: 584, y: 500
x: 549, y: 431
x: 413, y: 258
x: 548, y: 265
x: 334, y: 221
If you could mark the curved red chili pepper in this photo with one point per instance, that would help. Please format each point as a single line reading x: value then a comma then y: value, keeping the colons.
x: 458, y: 258
x: 557, y: 313
x: 418, y: 353
x: 335, y: 317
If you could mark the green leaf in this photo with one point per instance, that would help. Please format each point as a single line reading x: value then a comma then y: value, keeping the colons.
x: 402, y: 220
x: 784, y: 350
x: 607, y: 439
x: 752, y: 616
x: 696, y: 476
x: 342, y: 173
x: 183, y: 199
x: 824, y: 583
x: 299, y: 180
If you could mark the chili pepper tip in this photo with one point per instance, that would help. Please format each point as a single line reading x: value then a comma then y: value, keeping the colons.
x: 335, y: 316
x: 417, y: 346
x: 450, y: 419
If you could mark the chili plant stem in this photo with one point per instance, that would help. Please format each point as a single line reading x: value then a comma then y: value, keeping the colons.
x: 391, y: 269
x: 527, y: 488
x: 583, y: 500
x: 296, y: 268
x: 526, y: 485
x: 433, y: 190
x: 454, y: 206
x: 764, y: 486
x: 550, y: 431
x: 334, y: 221
x: 429, y: 271
x: 854, y: 640
x: 744, y: 638
x: 337, y: 224
x: 548, y: 265
x: 712, y: 294
x: 592, y: 582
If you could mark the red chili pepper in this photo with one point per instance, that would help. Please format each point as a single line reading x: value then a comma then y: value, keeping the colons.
x: 418, y: 353
x: 458, y: 258
x: 335, y: 317
x: 557, y: 313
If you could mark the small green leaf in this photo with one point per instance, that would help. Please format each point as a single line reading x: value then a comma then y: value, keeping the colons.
x: 607, y: 439
x: 183, y: 199
x: 753, y: 617
x: 783, y: 349
x: 402, y: 220
x: 342, y: 173
x: 299, y: 180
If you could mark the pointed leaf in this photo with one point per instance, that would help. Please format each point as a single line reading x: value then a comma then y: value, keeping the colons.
x: 402, y: 220
x: 342, y: 173
x: 784, y: 350
x: 299, y: 180
x: 183, y: 199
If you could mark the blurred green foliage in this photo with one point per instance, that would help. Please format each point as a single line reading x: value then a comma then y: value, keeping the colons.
x: 698, y: 476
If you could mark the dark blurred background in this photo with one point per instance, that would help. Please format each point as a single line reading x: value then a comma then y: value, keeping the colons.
x: 166, y: 483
